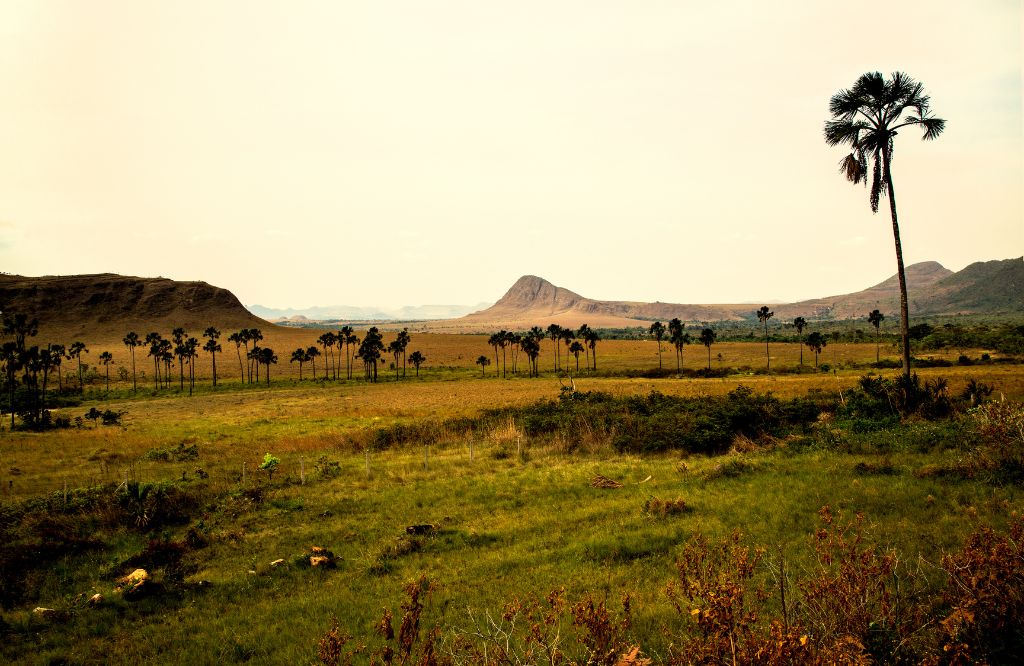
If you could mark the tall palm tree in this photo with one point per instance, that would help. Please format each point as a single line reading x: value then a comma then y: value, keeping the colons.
x: 707, y: 338
x: 57, y: 353
x: 191, y: 354
x: 370, y: 350
x: 178, y: 335
x: 106, y: 358
x: 799, y: 323
x: 495, y: 341
x: 657, y: 331
x: 763, y: 315
x: 592, y: 338
x: 875, y: 318
x: 867, y: 117
x: 11, y: 358
x: 131, y: 341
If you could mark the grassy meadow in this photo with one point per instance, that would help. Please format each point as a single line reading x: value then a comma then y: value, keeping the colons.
x: 514, y: 514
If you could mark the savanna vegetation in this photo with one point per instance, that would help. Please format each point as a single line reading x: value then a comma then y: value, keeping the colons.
x: 509, y: 502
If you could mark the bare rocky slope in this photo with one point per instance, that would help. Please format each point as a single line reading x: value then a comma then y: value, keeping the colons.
x: 106, y: 303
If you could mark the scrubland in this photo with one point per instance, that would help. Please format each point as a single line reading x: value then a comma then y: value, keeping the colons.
x: 712, y: 512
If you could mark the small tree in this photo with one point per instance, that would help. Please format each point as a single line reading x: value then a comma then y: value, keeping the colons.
x: 875, y: 318
x: 575, y: 348
x: 816, y: 341
x: 299, y: 356
x: 311, y: 354
x: 417, y: 359
x: 270, y: 464
x: 483, y: 362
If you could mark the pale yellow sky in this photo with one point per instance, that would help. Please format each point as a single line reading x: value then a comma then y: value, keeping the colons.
x: 391, y: 153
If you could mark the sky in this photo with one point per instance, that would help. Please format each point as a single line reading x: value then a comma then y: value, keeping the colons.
x: 406, y: 152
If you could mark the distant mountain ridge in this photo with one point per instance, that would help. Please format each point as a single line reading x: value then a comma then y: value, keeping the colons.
x: 989, y: 287
x: 356, y: 313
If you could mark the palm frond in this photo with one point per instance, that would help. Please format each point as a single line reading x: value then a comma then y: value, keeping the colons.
x: 844, y: 104
x: 850, y: 167
x: 933, y: 127
x: 844, y: 131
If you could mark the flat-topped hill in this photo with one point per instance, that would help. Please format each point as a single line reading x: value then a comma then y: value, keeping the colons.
x: 74, y: 305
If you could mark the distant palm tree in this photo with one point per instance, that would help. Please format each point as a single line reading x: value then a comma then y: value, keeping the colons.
x: 178, y: 335
x: 816, y: 341
x: 395, y: 349
x: 299, y: 356
x: 153, y: 340
x: 531, y: 347
x: 56, y: 358
x: 763, y: 315
x: 370, y: 350
x: 555, y: 333
x: 567, y: 335
x: 481, y: 360
x: 582, y: 332
x: 212, y: 346
x: 403, y: 339
x: 131, y: 341
x: 707, y: 338
x: 311, y: 354
x: 255, y: 336
x: 236, y: 337
x: 327, y: 341
x: 575, y: 348
x: 417, y: 359
x: 191, y: 354
x: 350, y: 339
x: 267, y: 358
x: 875, y: 318
x: 678, y: 339
x: 592, y: 338
x: 496, y: 341
x: 867, y: 117
x: 106, y: 358
x: 799, y: 323
x: 75, y: 352
x: 657, y: 331
x: 11, y: 357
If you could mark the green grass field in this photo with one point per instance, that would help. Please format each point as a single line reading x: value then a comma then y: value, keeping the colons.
x: 516, y: 518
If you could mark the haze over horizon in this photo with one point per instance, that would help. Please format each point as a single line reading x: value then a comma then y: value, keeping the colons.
x: 402, y: 154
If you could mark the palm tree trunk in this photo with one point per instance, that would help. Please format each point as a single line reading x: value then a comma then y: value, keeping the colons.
x: 134, y: 386
x: 878, y: 340
x: 241, y: 368
x: 904, y: 307
x: 767, y: 356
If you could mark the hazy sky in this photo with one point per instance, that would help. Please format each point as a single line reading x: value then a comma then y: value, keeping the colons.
x: 390, y: 153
